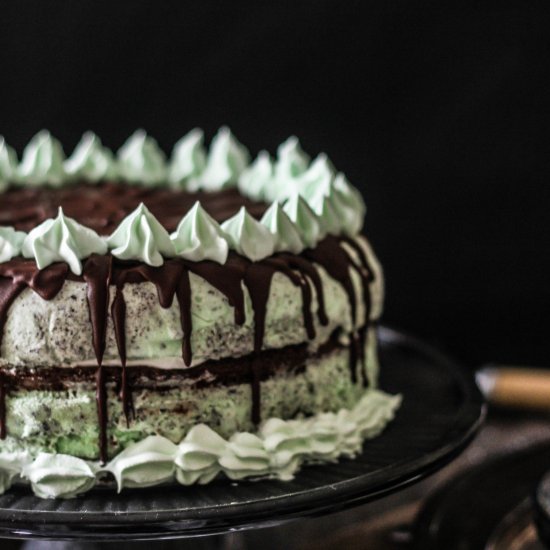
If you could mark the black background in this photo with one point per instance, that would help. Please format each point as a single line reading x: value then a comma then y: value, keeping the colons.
x: 438, y: 113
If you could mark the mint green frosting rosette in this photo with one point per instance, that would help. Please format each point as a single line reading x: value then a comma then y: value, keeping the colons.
x: 62, y: 240
x: 149, y: 462
x: 141, y: 160
x: 140, y: 236
x: 309, y: 225
x: 91, y: 161
x: 287, y: 237
x: 200, y: 237
x: 291, y: 163
x: 8, y: 165
x: 256, y: 178
x: 249, y: 237
x: 353, y: 208
x: 188, y: 161
x: 11, y: 243
x: 226, y: 161
x: 59, y: 476
x: 42, y: 162
x: 198, y: 456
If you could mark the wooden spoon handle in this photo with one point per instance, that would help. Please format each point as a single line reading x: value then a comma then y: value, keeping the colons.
x: 515, y: 387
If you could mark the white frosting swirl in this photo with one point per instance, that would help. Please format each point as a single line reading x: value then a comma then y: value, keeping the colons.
x: 307, y: 222
x: 249, y: 237
x: 200, y: 237
x: 188, y: 161
x: 287, y: 237
x: 62, y: 240
x: 140, y: 236
x: 141, y: 160
x: 59, y: 476
x: 91, y: 161
x: 227, y: 159
x: 149, y: 462
x: 42, y: 162
x: 8, y: 164
x: 11, y: 242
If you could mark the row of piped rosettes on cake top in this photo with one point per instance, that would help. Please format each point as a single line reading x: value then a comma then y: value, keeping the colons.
x: 309, y: 200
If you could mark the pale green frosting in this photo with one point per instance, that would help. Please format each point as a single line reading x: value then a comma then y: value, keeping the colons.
x: 246, y: 456
x: 291, y: 163
x: 141, y: 160
x: 307, y: 222
x: 256, y: 178
x: 320, y: 171
x: 140, y: 236
x: 42, y: 162
x: 316, y: 186
x: 8, y: 164
x: 11, y: 242
x: 352, y: 200
x: 198, y: 456
x: 149, y: 462
x: 188, y: 161
x: 341, y: 211
x: 226, y: 161
x: 62, y: 240
x: 330, y: 205
x: 59, y: 476
x: 287, y: 237
x: 278, y: 450
x: 324, y: 207
x: 248, y: 236
x: 91, y: 161
x: 291, y: 159
x: 200, y: 237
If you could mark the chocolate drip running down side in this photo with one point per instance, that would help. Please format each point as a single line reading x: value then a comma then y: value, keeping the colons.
x: 338, y: 263
x: 172, y: 280
x: 97, y: 275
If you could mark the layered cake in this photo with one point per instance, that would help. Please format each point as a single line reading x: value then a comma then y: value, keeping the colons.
x: 183, y: 319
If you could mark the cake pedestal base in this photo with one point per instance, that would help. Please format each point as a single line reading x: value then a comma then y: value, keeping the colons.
x: 441, y: 412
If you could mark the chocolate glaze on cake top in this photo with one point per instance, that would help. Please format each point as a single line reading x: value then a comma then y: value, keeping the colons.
x: 103, y: 206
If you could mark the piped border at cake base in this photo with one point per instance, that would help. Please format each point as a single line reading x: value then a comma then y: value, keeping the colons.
x: 276, y: 451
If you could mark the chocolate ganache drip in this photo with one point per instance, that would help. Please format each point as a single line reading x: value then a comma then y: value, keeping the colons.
x: 97, y: 275
x: 172, y: 280
x: 331, y: 255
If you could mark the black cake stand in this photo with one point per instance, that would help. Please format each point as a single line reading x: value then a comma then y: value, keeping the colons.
x: 441, y: 412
